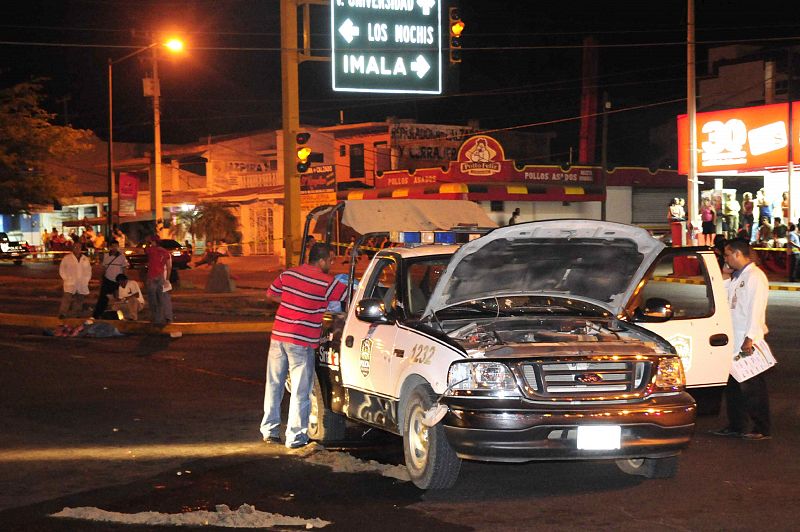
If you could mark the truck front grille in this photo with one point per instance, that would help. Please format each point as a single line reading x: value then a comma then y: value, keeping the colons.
x: 584, y: 379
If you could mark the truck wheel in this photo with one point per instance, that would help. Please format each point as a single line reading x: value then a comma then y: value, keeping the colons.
x: 324, y: 425
x: 431, y: 462
x: 666, y: 467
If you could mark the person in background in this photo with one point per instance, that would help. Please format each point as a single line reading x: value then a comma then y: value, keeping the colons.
x: 794, y: 249
x: 99, y: 242
x: 45, y: 240
x: 114, y: 265
x: 159, y: 266
x: 719, y: 250
x: 764, y: 205
x: 128, y: 298
x: 708, y: 217
x: 747, y: 209
x: 75, y: 271
x: 748, y: 292
x: 764, y: 235
x: 87, y: 239
x: 514, y: 217
x: 785, y: 205
x: 302, y: 294
x: 675, y: 212
x: 119, y: 236
x: 779, y: 233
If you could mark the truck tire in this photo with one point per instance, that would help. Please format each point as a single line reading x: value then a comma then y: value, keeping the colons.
x: 324, y: 425
x: 666, y: 467
x: 431, y: 462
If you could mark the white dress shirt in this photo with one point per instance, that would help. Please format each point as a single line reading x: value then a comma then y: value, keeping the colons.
x: 75, y: 273
x: 748, y: 293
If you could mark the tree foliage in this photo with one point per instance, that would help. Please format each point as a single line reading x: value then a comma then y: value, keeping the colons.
x: 216, y: 223
x: 33, y: 150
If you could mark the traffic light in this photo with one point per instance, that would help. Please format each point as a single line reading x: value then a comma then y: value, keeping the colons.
x: 456, y: 27
x: 304, y: 154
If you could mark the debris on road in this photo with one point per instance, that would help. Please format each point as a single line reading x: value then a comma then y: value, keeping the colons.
x: 345, y: 463
x: 245, y: 517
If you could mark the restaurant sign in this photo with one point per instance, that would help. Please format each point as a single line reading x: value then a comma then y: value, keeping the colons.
x: 481, y: 159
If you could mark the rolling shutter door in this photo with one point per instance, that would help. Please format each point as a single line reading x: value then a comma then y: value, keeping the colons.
x: 650, y: 204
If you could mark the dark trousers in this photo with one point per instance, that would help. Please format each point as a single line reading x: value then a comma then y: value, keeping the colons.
x: 794, y: 267
x: 748, y: 401
x: 107, y: 287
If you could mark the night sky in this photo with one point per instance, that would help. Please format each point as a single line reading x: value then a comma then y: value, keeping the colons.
x: 513, y: 72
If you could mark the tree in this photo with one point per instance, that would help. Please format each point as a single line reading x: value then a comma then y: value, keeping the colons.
x: 216, y: 223
x: 190, y: 221
x: 30, y: 148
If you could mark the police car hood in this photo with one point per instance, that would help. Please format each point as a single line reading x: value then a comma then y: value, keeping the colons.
x: 593, y: 261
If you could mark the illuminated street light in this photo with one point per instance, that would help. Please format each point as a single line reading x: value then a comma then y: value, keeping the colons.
x: 174, y: 45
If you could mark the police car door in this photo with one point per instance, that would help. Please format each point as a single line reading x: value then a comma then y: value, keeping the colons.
x: 701, y: 328
x: 367, y: 347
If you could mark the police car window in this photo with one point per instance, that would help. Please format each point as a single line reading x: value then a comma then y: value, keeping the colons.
x: 382, y: 284
x: 421, y: 278
x: 683, y: 281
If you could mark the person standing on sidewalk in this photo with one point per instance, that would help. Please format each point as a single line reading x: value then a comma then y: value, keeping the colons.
x: 76, y: 271
x: 302, y: 294
x: 748, y: 292
x: 794, y: 250
x: 159, y: 266
x: 114, y: 264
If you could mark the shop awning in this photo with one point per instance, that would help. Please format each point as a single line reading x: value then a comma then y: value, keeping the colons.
x: 481, y: 192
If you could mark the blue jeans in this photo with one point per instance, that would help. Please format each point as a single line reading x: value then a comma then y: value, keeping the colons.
x: 297, y: 361
x: 160, y: 302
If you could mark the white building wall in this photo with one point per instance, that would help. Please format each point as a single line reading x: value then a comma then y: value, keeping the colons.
x: 619, y: 202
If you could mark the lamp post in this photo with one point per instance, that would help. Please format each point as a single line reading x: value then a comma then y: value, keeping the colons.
x: 174, y: 45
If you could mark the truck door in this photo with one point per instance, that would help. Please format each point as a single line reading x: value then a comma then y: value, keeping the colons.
x: 701, y: 328
x: 367, y: 347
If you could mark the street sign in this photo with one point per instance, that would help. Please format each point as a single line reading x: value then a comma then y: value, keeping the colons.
x: 391, y: 46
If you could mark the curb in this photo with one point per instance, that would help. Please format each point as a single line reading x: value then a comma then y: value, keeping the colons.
x: 695, y: 281
x: 140, y: 327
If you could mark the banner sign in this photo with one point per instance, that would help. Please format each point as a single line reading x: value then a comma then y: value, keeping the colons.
x: 128, y: 194
x: 320, y: 178
x: 481, y: 159
x: 391, y: 46
x: 748, y: 138
x: 426, y: 145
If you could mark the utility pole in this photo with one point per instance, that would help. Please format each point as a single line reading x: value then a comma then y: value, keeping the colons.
x: 692, y: 200
x: 604, y: 155
x: 291, y: 57
x: 155, y: 183
x: 110, y: 176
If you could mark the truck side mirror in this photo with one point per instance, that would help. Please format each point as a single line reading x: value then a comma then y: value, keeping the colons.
x: 656, y: 310
x: 372, y: 310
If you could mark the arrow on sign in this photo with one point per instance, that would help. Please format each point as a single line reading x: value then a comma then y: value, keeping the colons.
x: 420, y: 66
x: 349, y: 30
x: 426, y: 6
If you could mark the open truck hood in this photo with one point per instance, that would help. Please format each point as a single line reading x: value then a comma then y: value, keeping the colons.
x: 593, y: 261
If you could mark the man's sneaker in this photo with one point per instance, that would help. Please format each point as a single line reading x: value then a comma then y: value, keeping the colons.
x: 272, y: 439
x: 298, y: 444
x: 727, y: 432
x: 756, y: 436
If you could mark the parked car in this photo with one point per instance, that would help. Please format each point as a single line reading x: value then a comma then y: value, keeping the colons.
x: 12, y: 250
x: 181, y: 255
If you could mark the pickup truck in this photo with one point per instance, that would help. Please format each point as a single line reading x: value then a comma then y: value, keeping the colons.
x: 11, y: 250
x: 552, y: 340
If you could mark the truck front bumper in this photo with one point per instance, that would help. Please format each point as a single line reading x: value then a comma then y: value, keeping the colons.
x: 658, y: 426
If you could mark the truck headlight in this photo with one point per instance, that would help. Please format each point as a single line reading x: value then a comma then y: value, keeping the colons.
x: 670, y: 373
x: 492, y: 377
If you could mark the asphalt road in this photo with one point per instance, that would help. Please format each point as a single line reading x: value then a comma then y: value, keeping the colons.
x: 111, y: 423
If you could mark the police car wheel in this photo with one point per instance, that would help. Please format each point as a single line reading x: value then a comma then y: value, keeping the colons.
x: 431, y: 462
x: 666, y: 467
x: 323, y: 424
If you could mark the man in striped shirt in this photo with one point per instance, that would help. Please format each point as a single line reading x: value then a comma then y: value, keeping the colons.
x: 302, y: 294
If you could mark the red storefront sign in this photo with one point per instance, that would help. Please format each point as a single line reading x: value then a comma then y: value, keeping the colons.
x: 482, y: 159
x: 748, y: 138
x: 128, y: 193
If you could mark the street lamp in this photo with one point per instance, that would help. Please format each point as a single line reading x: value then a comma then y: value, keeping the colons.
x: 174, y: 45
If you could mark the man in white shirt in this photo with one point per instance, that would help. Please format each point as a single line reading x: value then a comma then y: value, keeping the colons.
x: 129, y: 298
x: 75, y: 270
x: 748, y: 292
x: 114, y: 264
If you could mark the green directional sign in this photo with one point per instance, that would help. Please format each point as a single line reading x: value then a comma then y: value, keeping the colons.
x: 386, y: 46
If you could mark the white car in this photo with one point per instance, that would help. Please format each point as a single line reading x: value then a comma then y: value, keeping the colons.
x: 530, y: 343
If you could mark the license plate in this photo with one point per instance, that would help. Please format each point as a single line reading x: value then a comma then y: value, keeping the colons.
x: 599, y: 437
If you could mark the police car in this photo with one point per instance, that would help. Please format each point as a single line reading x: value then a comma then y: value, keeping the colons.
x: 540, y: 341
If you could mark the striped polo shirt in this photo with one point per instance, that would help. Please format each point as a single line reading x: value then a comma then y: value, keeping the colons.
x: 305, y: 292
